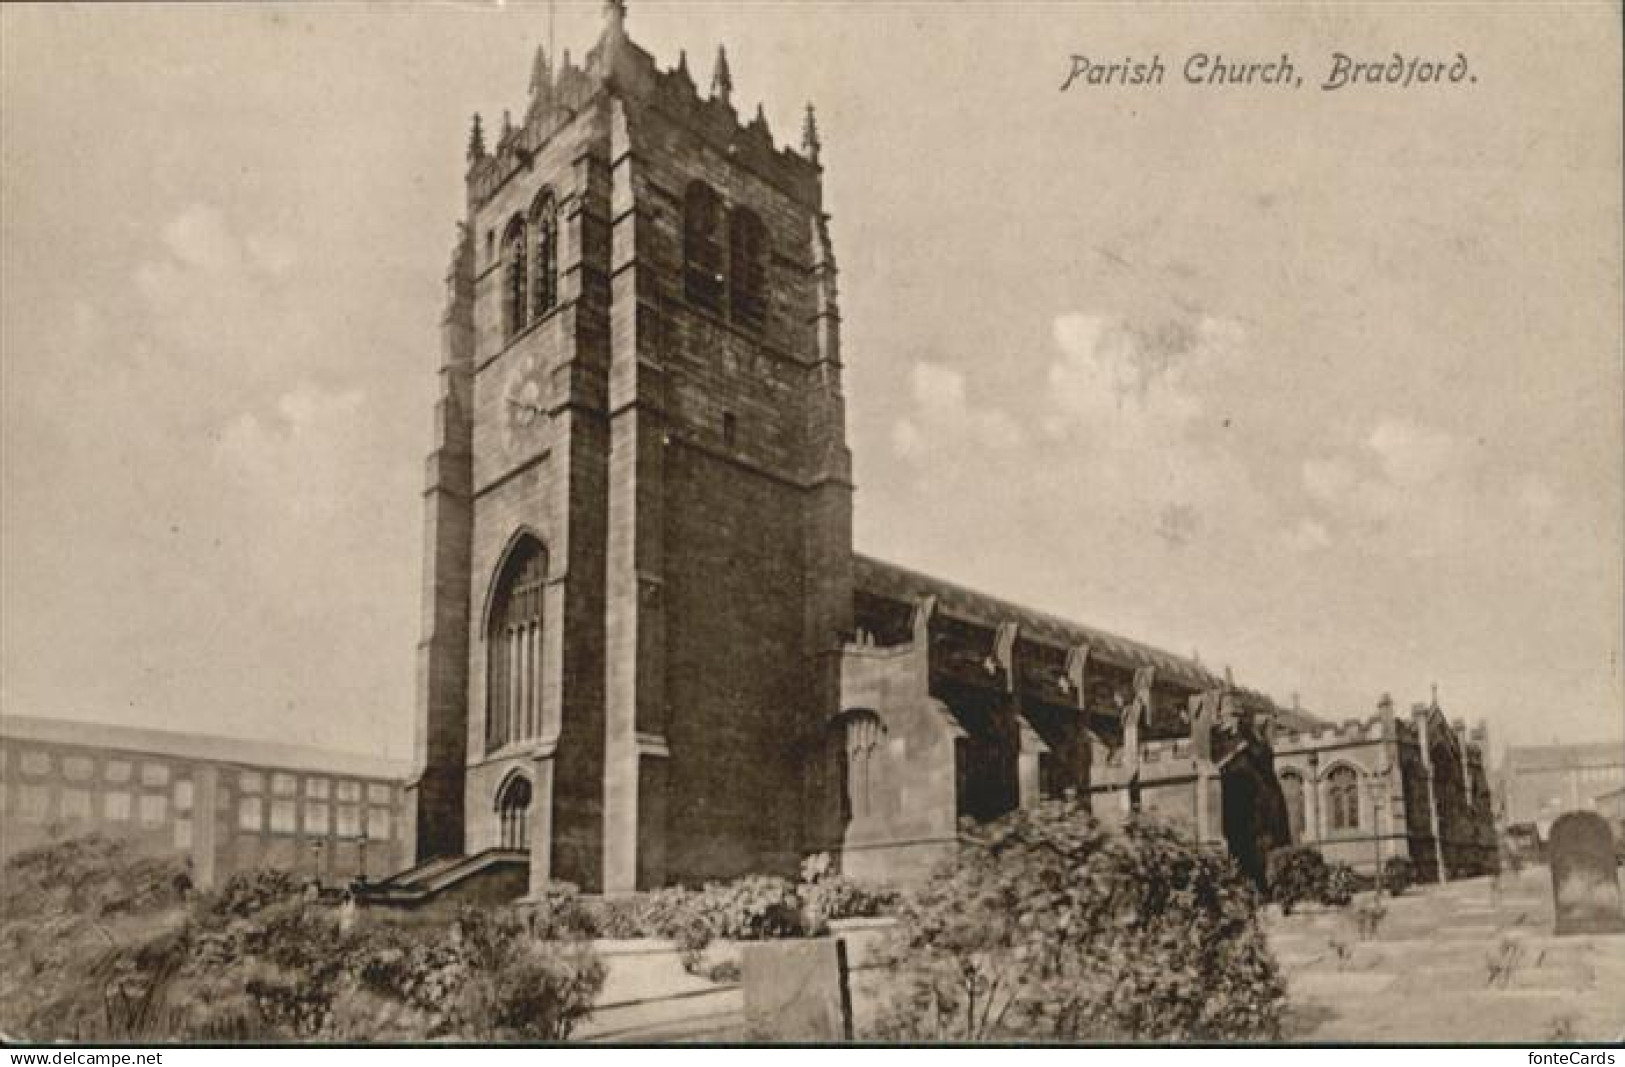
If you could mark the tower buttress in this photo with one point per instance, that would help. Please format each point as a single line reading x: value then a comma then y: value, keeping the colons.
x: 440, y: 744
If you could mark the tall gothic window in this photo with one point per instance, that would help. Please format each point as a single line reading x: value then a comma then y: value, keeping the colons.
x: 514, y: 282
x: 702, y: 246
x: 1343, y: 799
x: 747, y: 266
x: 513, y: 644
x: 1292, y: 790
x: 513, y: 811
x: 544, y: 221
x: 860, y: 736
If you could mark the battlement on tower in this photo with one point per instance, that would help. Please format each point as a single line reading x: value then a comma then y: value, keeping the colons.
x: 616, y: 64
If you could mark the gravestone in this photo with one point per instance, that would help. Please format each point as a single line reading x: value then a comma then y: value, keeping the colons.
x: 1585, y: 875
x: 796, y: 991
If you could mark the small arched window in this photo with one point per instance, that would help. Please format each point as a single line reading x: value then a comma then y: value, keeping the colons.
x: 702, y: 246
x: 747, y: 266
x: 861, y: 732
x: 1343, y: 799
x: 513, y: 812
x: 515, y: 258
x: 1292, y: 790
x: 513, y: 648
x: 544, y: 221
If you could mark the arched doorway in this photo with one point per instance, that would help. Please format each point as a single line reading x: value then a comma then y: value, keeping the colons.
x: 513, y: 809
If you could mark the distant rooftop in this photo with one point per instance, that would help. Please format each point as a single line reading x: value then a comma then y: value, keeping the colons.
x: 199, y: 747
x: 1564, y: 757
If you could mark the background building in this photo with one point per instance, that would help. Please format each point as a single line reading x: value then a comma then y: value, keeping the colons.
x: 1540, y: 782
x: 228, y: 805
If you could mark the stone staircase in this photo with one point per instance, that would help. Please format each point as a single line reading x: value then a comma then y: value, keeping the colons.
x: 1471, y: 961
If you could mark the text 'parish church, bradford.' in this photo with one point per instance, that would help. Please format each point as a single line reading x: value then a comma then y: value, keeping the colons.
x: 650, y: 654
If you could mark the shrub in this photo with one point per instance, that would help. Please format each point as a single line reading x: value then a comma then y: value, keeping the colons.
x: 839, y: 897
x: 1048, y: 927
x: 1397, y: 875
x: 557, y: 913
x: 1297, y: 875
x: 753, y: 908
x: 257, y: 962
x: 1341, y: 884
x: 826, y: 894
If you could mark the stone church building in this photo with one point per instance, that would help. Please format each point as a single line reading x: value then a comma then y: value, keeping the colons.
x: 650, y: 654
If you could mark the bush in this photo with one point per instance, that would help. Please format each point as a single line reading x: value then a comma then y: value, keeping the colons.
x: 826, y: 895
x: 257, y: 962
x: 1397, y: 875
x: 557, y: 913
x: 840, y: 897
x: 1341, y: 884
x: 1047, y: 927
x: 1297, y: 875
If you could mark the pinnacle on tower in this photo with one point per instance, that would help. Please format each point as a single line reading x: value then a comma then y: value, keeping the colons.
x: 541, y: 72
x: 614, y: 14
x: 811, y: 146
x: 507, y: 127
x: 722, y: 80
x: 476, y: 140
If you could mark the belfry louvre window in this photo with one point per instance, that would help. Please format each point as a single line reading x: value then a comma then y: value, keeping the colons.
x: 703, y: 280
x: 515, y: 287
x: 1343, y: 799
x: 747, y: 266
x: 513, y: 705
x: 544, y: 220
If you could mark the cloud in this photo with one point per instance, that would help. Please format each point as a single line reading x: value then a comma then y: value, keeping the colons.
x: 304, y: 456
x: 942, y: 417
x: 1414, y: 455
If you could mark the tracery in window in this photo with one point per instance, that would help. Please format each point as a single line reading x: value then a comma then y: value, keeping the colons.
x: 513, y: 642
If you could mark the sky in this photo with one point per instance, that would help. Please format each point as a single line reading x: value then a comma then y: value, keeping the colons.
x: 1324, y: 385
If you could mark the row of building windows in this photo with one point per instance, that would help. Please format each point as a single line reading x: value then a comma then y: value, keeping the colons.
x: 314, y: 818
x: 283, y: 784
x: 153, y: 810
x: 40, y: 763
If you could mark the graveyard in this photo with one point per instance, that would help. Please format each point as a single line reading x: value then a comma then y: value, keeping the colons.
x: 1477, y: 960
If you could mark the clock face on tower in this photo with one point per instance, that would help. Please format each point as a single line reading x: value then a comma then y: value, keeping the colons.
x: 522, y: 412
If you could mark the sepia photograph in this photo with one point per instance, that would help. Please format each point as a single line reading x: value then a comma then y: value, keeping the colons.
x: 626, y: 522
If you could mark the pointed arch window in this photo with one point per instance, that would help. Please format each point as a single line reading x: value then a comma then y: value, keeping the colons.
x: 703, y: 279
x: 515, y: 286
x: 1343, y: 799
x: 513, y: 812
x: 513, y: 648
x: 544, y: 221
x: 1292, y: 790
x: 747, y: 266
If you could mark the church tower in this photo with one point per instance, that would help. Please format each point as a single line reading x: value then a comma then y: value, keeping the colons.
x: 638, y: 508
